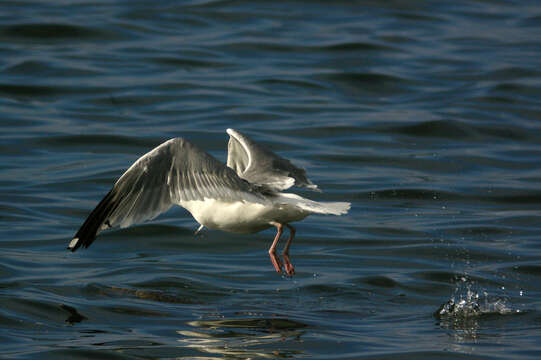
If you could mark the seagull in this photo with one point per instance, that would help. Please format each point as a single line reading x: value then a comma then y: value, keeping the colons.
x: 245, y: 196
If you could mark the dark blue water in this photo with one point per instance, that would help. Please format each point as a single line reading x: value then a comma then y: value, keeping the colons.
x: 425, y: 115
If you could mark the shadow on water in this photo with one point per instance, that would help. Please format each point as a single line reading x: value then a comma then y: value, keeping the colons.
x: 74, y: 316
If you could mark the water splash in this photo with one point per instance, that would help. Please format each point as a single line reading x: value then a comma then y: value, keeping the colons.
x: 463, y: 312
x: 468, y: 301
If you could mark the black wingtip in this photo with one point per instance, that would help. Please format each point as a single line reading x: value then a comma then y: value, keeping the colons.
x: 88, y: 231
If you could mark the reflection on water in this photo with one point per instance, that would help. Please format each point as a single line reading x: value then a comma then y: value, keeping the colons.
x: 154, y: 295
x: 244, y: 338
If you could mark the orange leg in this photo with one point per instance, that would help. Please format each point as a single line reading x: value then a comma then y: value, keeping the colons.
x: 272, y: 251
x: 290, y: 270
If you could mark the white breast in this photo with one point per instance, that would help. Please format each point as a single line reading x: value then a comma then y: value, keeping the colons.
x: 240, y: 216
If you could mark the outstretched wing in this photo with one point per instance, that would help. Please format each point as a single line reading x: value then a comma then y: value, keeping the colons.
x: 173, y: 172
x: 261, y: 166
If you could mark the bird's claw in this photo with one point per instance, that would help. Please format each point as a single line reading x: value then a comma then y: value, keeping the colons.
x: 288, y: 266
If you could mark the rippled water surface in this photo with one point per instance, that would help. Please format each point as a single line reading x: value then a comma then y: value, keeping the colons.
x: 425, y: 115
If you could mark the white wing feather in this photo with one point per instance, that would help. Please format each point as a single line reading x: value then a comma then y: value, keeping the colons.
x: 258, y: 165
x: 173, y: 172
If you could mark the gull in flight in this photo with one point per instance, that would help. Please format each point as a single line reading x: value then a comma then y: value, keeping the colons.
x: 243, y: 197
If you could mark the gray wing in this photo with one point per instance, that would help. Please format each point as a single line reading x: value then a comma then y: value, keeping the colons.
x: 261, y: 166
x: 173, y: 172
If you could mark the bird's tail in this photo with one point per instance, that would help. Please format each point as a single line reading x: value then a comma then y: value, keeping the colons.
x: 95, y: 222
x: 331, y: 208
